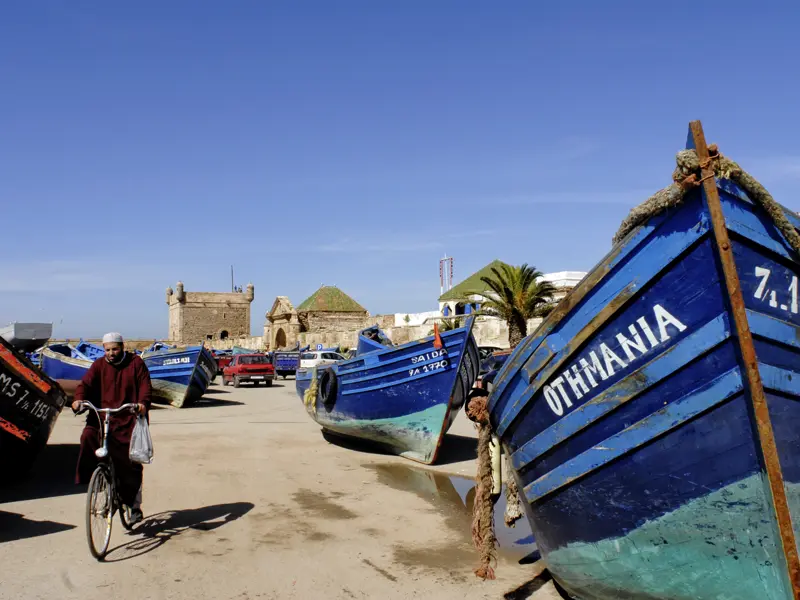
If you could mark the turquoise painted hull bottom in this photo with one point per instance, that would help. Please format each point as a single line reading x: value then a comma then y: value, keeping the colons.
x: 718, y: 546
x: 415, y: 436
x: 176, y: 394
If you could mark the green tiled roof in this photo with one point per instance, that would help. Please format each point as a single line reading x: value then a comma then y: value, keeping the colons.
x: 471, y: 285
x: 329, y: 298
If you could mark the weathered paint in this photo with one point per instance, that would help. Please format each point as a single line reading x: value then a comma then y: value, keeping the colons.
x: 675, y: 474
x: 404, y: 397
x: 179, y: 375
x: 665, y: 365
x: 675, y: 237
x: 719, y: 543
x: 668, y: 418
x: 30, y: 403
x: 758, y: 402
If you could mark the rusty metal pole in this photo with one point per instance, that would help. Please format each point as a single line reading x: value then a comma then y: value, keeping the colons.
x: 755, y: 389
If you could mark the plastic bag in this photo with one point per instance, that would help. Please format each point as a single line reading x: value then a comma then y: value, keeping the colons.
x: 141, y: 444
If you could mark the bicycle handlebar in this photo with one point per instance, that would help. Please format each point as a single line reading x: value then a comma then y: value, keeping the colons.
x: 109, y: 411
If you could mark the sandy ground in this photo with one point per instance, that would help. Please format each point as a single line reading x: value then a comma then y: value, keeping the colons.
x: 247, y: 499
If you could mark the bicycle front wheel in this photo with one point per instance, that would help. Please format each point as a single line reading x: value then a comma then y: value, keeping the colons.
x: 99, y: 505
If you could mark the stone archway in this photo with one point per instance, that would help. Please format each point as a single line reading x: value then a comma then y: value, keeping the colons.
x: 280, y: 338
x: 223, y: 335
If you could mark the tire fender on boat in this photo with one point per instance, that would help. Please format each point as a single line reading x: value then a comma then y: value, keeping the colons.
x: 328, y: 385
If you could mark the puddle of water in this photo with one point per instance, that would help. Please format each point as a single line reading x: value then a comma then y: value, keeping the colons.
x: 453, y: 497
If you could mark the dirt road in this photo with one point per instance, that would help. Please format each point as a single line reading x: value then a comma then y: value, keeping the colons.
x: 246, y: 499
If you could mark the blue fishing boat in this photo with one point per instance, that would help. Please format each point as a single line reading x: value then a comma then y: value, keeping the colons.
x: 179, y: 375
x: 92, y: 351
x: 653, y: 420
x: 403, y: 397
x: 65, y: 364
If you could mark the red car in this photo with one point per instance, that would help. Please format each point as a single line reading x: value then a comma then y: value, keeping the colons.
x: 256, y: 368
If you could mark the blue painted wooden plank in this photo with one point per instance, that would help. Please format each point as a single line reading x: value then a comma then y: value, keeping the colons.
x: 727, y: 186
x: 664, y: 365
x: 603, y: 271
x: 402, y: 357
x: 394, y: 382
x: 347, y: 380
x: 780, y: 380
x: 774, y: 329
x: 660, y: 255
x: 685, y: 292
x: 670, y: 417
x: 453, y: 337
x: 768, y: 284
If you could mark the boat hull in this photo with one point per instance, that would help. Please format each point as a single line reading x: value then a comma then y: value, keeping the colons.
x: 30, y: 403
x: 179, y: 376
x: 404, y: 398
x: 630, y: 418
x: 65, y: 370
x: 27, y: 337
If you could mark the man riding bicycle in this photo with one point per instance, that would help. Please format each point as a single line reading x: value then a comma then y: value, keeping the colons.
x: 117, y: 378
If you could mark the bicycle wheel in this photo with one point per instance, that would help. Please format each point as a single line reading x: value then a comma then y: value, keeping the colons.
x: 99, y: 512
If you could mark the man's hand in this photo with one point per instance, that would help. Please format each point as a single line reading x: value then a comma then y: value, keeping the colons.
x: 76, y: 406
x: 140, y: 409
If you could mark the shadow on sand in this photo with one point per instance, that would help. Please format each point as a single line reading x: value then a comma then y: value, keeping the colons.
x: 156, y: 530
x: 210, y: 402
x: 455, y: 448
x: 529, y: 588
x: 14, y: 526
x: 52, y: 474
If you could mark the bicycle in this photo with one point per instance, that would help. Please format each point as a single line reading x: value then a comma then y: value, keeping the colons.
x: 103, y: 487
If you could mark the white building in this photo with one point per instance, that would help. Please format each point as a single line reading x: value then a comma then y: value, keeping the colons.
x: 465, y: 298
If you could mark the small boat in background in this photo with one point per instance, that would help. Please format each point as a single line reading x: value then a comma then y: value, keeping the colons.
x: 65, y: 364
x: 27, y: 337
x: 402, y: 397
x: 29, y: 406
x: 179, y: 375
x: 91, y: 351
x: 653, y: 420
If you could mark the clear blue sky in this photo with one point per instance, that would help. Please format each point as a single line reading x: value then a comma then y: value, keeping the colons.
x: 354, y: 143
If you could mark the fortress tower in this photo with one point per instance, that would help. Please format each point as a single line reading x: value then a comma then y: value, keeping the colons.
x: 195, y: 317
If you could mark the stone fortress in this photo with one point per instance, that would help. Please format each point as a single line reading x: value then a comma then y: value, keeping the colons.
x: 197, y: 317
x: 330, y: 317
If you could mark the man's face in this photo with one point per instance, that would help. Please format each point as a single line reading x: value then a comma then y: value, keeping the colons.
x: 114, y: 351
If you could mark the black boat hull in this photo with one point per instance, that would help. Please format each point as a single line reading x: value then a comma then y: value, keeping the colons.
x: 30, y: 403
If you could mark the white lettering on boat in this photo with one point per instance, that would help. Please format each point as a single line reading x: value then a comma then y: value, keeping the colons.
x: 13, y: 389
x: 601, y: 362
x: 766, y: 294
x: 434, y: 366
x: 177, y: 361
x: 428, y: 356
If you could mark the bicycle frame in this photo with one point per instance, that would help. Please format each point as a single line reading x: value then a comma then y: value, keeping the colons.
x: 102, y: 452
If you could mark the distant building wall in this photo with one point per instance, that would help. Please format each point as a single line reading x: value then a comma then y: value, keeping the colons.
x: 198, y: 316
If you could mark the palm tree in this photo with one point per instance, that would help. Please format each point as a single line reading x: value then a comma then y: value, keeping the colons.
x: 515, y: 296
x: 448, y: 325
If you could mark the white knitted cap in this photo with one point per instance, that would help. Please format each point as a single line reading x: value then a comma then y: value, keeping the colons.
x: 112, y: 338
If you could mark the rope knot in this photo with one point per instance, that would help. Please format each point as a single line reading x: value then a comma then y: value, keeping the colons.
x: 478, y: 410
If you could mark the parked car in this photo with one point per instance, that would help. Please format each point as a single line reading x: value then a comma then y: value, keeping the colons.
x: 255, y: 368
x: 319, y: 357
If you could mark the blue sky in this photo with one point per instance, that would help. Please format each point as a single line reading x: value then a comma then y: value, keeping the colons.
x: 355, y: 143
